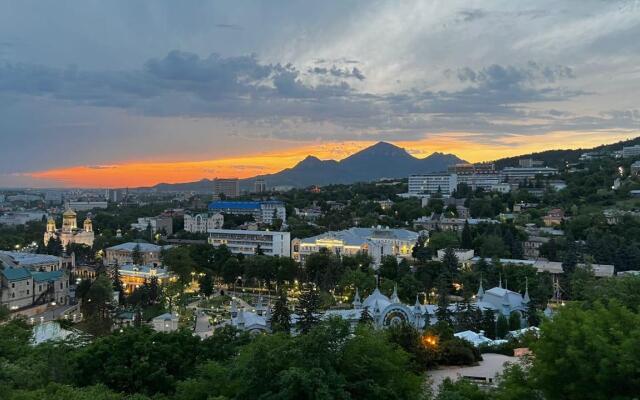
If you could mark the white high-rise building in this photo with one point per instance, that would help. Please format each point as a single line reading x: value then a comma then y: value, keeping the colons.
x: 431, y: 183
x: 238, y: 241
x: 631, y: 151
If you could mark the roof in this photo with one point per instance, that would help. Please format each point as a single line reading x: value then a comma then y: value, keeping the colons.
x: 16, y: 274
x: 359, y: 236
x: 47, y: 276
x: 25, y: 259
x: 242, y: 205
x: 166, y: 317
x: 376, y: 299
x: 144, y: 247
x: 143, y: 270
x: 474, y: 338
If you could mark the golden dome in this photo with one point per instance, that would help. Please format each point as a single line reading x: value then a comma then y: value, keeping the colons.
x: 69, y: 213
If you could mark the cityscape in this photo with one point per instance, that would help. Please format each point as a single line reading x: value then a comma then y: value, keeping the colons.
x: 295, y: 200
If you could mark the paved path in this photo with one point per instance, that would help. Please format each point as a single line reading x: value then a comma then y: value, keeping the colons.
x: 490, y: 367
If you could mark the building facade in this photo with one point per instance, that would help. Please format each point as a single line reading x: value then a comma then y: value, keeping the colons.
x: 201, y: 223
x: 228, y: 187
x: 248, y: 242
x: 433, y: 183
x: 69, y: 233
x: 376, y: 242
x: 631, y: 151
x: 521, y: 174
x: 123, y: 253
x: 159, y: 224
x: 263, y: 212
x: 31, y: 279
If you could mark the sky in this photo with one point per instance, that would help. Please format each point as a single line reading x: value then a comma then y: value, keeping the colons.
x: 132, y: 93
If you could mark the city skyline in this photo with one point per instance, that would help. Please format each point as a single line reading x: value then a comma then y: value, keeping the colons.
x: 226, y: 90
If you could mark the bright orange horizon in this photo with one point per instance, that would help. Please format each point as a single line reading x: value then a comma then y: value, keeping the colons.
x: 138, y: 174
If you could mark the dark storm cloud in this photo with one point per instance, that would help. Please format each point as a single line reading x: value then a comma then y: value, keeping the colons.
x: 242, y: 87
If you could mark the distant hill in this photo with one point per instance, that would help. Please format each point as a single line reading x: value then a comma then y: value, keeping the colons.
x: 558, y: 158
x: 382, y: 160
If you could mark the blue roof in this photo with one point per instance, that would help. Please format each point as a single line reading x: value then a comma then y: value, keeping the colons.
x: 47, y: 276
x: 16, y: 274
x: 237, y: 205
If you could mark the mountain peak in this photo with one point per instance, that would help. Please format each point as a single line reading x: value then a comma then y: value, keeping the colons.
x: 380, y: 149
x: 309, y: 161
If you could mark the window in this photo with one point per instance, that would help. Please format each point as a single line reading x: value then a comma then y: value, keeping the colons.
x: 27, y: 291
x: 13, y: 286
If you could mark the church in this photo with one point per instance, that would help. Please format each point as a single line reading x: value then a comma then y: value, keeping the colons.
x: 69, y: 233
x: 386, y: 311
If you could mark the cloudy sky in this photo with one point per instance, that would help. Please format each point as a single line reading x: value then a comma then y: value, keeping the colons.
x: 126, y: 93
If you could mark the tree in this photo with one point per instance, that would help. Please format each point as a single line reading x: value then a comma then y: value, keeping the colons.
x: 308, y: 309
x: 281, y: 317
x: 514, y: 321
x: 365, y: 317
x: 443, y: 314
x: 136, y: 255
x: 154, y: 290
x: 206, y: 285
x: 117, y: 282
x: 95, y: 306
x: 502, y: 326
x: 489, y: 323
x: 466, y: 239
x: 450, y: 262
x: 420, y: 250
x: 389, y: 268
x: 589, y: 353
x: 231, y: 270
x: 54, y: 246
x: 179, y: 261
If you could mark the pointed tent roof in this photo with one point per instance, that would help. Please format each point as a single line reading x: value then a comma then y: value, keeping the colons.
x: 376, y: 297
x: 480, y: 290
x: 526, y: 298
x: 394, y: 296
x: 356, y: 299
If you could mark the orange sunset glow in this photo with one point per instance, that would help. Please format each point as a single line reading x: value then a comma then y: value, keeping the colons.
x: 135, y: 174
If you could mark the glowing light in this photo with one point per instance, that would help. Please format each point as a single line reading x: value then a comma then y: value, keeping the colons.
x: 429, y: 341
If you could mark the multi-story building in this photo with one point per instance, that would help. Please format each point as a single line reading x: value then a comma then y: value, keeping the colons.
x: 433, y: 183
x: 260, y: 186
x: 21, y: 217
x: 159, y: 224
x: 133, y: 276
x: 247, y: 242
x: 86, y: 205
x: 377, y: 242
x: 123, y: 253
x: 229, y: 187
x: 70, y: 233
x: 264, y: 212
x: 477, y: 168
x: 529, y: 163
x: 439, y: 222
x: 201, y: 223
x: 631, y: 151
x: 483, y: 180
x: 531, y: 246
x: 519, y: 174
x: 115, y: 195
x: 36, y: 262
x: 31, y: 279
x: 553, y: 217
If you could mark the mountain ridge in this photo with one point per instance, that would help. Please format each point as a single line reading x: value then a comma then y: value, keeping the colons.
x: 381, y: 160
